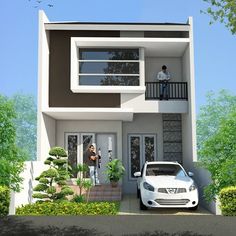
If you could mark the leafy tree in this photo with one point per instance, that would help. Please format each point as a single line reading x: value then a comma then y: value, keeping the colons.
x: 11, y: 157
x: 56, y: 175
x: 217, y: 107
x: 26, y: 124
x: 223, y: 11
x: 218, y: 156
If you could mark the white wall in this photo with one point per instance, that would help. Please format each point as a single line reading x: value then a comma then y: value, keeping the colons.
x: 154, y: 64
x: 140, y: 105
x: 142, y: 124
x: 203, y: 178
x: 188, y: 120
x: 47, y: 138
x: 32, y: 170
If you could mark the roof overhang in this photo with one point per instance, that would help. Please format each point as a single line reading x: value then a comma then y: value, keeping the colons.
x: 117, y: 26
x: 154, y: 47
x: 90, y: 114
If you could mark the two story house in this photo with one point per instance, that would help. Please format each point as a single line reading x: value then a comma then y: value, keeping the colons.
x: 98, y: 85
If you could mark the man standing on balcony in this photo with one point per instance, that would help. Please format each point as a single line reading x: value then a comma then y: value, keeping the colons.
x: 163, y: 77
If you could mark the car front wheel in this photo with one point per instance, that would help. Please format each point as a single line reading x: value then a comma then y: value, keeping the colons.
x: 141, y: 205
x: 193, y: 208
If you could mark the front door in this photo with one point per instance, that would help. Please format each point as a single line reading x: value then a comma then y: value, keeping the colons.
x: 106, y: 146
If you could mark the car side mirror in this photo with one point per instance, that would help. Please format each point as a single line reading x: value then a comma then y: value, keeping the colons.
x: 190, y: 174
x: 137, y: 174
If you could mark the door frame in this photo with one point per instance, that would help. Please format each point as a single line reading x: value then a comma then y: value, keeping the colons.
x: 141, y: 149
x: 80, y: 142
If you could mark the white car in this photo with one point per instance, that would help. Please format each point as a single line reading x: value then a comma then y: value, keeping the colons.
x: 166, y: 184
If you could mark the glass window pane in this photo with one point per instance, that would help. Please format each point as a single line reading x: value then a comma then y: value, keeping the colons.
x: 164, y: 169
x: 72, y: 152
x: 134, y: 155
x: 149, y: 148
x: 109, y: 80
x: 108, y: 54
x: 109, y: 67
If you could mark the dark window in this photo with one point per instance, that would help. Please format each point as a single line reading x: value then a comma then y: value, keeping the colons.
x: 108, y: 54
x: 109, y: 66
x: 72, y: 152
x: 109, y: 80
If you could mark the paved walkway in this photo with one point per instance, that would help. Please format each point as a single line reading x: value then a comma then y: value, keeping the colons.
x: 130, y: 206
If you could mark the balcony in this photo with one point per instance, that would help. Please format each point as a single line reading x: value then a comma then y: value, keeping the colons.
x: 175, y: 90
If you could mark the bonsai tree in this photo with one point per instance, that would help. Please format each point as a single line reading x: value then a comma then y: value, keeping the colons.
x: 56, y: 175
x: 115, y: 170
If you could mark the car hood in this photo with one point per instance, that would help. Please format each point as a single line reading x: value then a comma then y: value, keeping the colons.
x: 169, y: 181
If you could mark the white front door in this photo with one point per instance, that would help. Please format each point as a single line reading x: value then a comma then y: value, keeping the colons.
x: 106, y: 144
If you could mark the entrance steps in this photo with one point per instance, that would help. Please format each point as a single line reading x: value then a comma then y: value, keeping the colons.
x: 105, y: 192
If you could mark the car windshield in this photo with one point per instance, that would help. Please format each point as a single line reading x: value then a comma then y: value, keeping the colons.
x: 164, y: 169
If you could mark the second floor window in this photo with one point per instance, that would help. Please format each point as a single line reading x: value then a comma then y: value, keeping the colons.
x: 109, y: 66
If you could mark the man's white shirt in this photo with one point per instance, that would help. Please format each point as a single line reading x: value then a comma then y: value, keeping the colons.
x: 161, y: 76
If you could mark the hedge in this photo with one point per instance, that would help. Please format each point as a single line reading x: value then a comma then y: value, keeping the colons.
x: 4, y: 200
x: 68, y: 208
x: 227, y: 198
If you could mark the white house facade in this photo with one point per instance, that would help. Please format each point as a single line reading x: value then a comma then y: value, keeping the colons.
x: 97, y: 85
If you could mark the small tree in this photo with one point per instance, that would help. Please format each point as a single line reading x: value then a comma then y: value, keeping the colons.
x: 57, y: 174
x: 82, y: 183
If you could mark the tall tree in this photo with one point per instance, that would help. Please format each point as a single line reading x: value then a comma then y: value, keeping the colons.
x: 11, y: 157
x: 26, y: 124
x: 219, y: 156
x: 223, y: 11
x: 217, y: 107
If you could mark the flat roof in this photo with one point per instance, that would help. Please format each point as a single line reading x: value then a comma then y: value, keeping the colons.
x: 116, y: 23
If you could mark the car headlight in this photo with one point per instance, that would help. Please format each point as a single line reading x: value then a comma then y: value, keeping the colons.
x: 148, y: 186
x: 192, y: 187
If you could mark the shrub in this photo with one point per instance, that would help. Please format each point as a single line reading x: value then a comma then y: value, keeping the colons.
x: 227, y: 198
x: 68, y: 208
x: 78, y: 198
x: 4, y: 200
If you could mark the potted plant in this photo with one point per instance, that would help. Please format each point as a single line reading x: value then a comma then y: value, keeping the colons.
x: 115, y: 170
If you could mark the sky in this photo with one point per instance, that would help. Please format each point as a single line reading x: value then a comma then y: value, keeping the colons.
x: 214, y: 45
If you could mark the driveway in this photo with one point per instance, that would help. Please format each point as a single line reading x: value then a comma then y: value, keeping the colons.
x: 130, y: 206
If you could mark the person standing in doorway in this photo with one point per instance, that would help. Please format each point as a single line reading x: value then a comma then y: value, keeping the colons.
x: 163, y: 77
x: 91, y: 158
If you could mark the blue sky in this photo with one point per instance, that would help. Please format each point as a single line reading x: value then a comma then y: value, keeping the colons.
x: 215, y: 47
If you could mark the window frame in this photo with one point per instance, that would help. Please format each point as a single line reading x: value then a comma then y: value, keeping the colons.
x: 98, y: 42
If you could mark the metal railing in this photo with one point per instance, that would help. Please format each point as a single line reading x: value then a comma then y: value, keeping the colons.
x: 170, y: 90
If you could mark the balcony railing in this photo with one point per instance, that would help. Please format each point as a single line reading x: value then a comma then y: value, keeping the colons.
x: 173, y: 90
